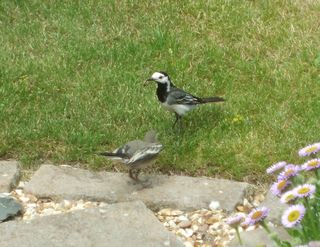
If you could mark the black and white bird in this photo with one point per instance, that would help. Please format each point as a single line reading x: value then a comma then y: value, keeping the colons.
x: 137, y: 154
x: 175, y: 99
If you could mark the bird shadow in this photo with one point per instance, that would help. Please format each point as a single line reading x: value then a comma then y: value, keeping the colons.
x: 147, y: 181
x: 202, y: 119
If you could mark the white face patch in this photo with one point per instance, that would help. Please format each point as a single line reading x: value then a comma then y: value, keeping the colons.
x: 159, y: 77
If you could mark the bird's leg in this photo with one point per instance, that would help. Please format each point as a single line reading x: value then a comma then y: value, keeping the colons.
x: 131, y: 174
x: 137, y: 173
x: 178, y: 117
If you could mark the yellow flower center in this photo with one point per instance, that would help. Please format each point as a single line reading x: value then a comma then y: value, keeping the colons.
x: 281, y: 184
x: 288, y: 172
x: 256, y: 215
x: 303, y: 190
x: 289, y: 197
x: 293, y: 216
x: 311, y: 149
x: 313, y: 163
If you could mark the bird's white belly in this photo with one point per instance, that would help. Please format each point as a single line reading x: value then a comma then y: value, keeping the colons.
x: 179, y: 109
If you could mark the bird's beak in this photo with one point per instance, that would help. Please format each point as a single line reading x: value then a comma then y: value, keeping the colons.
x: 146, y: 81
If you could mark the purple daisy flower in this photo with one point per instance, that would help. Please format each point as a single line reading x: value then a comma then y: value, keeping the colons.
x: 293, y: 215
x: 288, y: 197
x: 304, y: 190
x: 289, y: 171
x: 311, y: 164
x: 276, y: 167
x: 310, y: 149
x: 279, y: 186
x: 256, y: 215
x: 245, y: 223
x: 235, y: 220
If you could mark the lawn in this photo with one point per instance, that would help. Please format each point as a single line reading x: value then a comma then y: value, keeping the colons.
x: 72, y: 73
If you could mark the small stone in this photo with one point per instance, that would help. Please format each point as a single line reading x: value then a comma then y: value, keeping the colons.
x: 19, y: 192
x: 172, y: 224
x: 79, y: 205
x: 203, y: 228
x: 212, y: 220
x: 188, y: 232
x: 24, y: 199
x: 166, y: 243
x: 240, y: 208
x: 199, y: 236
x: 184, y: 233
x: 185, y: 224
x: 169, y: 218
x: 49, y: 211
x: 160, y: 217
x: 197, y: 244
x: 195, y: 228
x: 102, y: 204
x: 214, y: 205
x: 216, y: 225
x: 181, y: 233
x: 176, y: 212
x: 88, y: 204
x: 32, y: 198
x: 9, y: 207
x: 194, y: 216
x: 66, y: 204
x: 258, y: 199
x: 188, y: 244
x: 48, y: 205
x: 182, y: 218
x: 165, y: 212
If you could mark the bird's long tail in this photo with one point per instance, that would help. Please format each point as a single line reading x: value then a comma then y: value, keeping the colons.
x: 211, y: 100
x: 113, y: 155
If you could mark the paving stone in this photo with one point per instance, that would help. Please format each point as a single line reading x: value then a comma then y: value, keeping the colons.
x: 9, y: 175
x: 185, y: 193
x: 117, y: 225
x: 8, y: 207
x: 275, y: 206
x: 260, y: 238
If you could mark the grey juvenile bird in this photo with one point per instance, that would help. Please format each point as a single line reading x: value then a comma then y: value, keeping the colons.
x: 174, y: 99
x: 137, y: 154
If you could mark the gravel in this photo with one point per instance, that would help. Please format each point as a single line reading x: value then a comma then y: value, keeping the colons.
x: 200, y: 228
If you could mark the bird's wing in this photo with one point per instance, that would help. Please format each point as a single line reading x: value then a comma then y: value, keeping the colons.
x: 146, y: 153
x: 130, y: 148
x: 180, y: 97
x: 126, y: 151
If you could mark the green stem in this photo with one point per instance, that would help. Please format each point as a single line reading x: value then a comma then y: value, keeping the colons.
x: 317, y: 172
x: 238, y: 236
x: 271, y: 234
x: 310, y: 220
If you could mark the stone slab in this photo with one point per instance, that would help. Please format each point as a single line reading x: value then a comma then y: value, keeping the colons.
x: 9, y: 175
x: 260, y: 238
x: 275, y: 206
x: 117, y: 225
x: 185, y: 193
x: 9, y: 207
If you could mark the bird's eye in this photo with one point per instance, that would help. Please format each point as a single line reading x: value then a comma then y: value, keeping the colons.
x: 160, y: 77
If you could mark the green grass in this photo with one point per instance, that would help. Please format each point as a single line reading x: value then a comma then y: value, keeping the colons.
x: 71, y: 75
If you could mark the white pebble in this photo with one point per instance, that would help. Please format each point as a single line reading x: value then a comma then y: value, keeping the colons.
x: 188, y: 232
x: 24, y: 199
x: 182, y: 218
x: 214, y: 205
x: 19, y: 192
x: 188, y: 244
